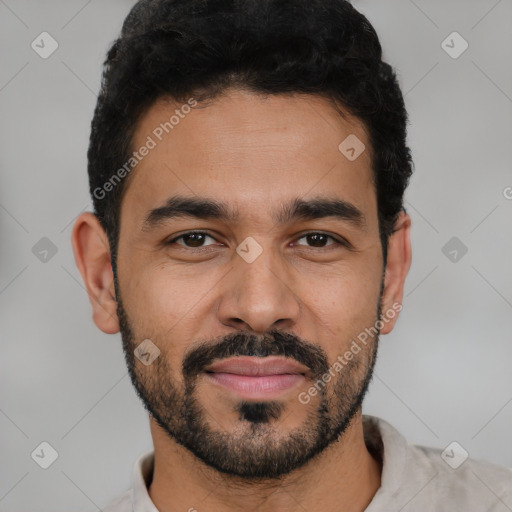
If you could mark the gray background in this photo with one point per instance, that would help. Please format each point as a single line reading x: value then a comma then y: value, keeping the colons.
x: 443, y: 374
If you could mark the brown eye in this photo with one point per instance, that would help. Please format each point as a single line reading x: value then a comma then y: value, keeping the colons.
x: 193, y: 239
x: 319, y: 240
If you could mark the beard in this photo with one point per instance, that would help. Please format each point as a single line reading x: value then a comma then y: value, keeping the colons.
x: 256, y: 449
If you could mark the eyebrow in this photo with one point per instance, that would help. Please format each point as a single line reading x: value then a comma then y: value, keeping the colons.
x: 296, y: 209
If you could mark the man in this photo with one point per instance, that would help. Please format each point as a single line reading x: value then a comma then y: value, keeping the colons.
x: 247, y: 164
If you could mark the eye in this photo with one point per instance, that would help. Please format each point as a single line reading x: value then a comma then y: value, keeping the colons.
x: 196, y: 239
x: 318, y: 239
x: 192, y: 239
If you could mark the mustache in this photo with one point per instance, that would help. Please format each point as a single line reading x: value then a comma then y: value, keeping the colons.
x: 273, y: 343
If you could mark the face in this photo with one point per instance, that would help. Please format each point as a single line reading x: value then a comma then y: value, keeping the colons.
x: 247, y: 235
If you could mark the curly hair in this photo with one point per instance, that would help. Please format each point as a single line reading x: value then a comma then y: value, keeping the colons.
x: 182, y: 48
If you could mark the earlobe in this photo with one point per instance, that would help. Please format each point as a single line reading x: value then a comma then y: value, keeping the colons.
x: 398, y: 264
x: 92, y: 257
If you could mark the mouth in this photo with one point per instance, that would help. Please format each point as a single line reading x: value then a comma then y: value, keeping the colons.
x: 257, y: 377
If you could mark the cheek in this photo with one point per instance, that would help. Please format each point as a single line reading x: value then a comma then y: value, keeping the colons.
x: 163, y: 300
x: 344, y: 302
x: 157, y: 301
x: 347, y: 307
x: 155, y: 309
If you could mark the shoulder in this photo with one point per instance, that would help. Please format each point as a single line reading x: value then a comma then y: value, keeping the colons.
x: 463, y: 473
x: 416, y: 477
x: 450, y: 478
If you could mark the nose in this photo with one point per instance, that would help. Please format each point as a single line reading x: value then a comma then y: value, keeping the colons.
x: 259, y: 296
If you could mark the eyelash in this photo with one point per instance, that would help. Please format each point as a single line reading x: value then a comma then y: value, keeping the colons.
x: 338, y: 242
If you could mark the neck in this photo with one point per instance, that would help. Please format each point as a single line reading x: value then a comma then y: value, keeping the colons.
x: 344, y: 477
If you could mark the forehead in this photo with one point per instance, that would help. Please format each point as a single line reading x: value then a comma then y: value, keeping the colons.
x: 249, y: 151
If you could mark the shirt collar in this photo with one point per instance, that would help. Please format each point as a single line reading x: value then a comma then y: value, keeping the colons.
x: 382, y: 439
x: 142, y: 477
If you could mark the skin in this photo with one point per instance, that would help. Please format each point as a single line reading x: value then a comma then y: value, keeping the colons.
x: 254, y: 153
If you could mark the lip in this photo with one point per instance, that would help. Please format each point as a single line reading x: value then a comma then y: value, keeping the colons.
x: 257, y: 377
x: 258, y: 366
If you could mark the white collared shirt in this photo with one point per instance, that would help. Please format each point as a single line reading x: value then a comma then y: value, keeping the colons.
x: 414, y: 478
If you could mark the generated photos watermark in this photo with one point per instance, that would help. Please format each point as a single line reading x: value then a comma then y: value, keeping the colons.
x: 143, y: 151
x: 342, y: 360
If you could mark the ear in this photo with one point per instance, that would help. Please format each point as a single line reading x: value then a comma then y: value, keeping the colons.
x: 92, y: 257
x: 398, y: 264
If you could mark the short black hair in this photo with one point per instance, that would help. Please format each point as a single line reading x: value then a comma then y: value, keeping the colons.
x: 180, y: 49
